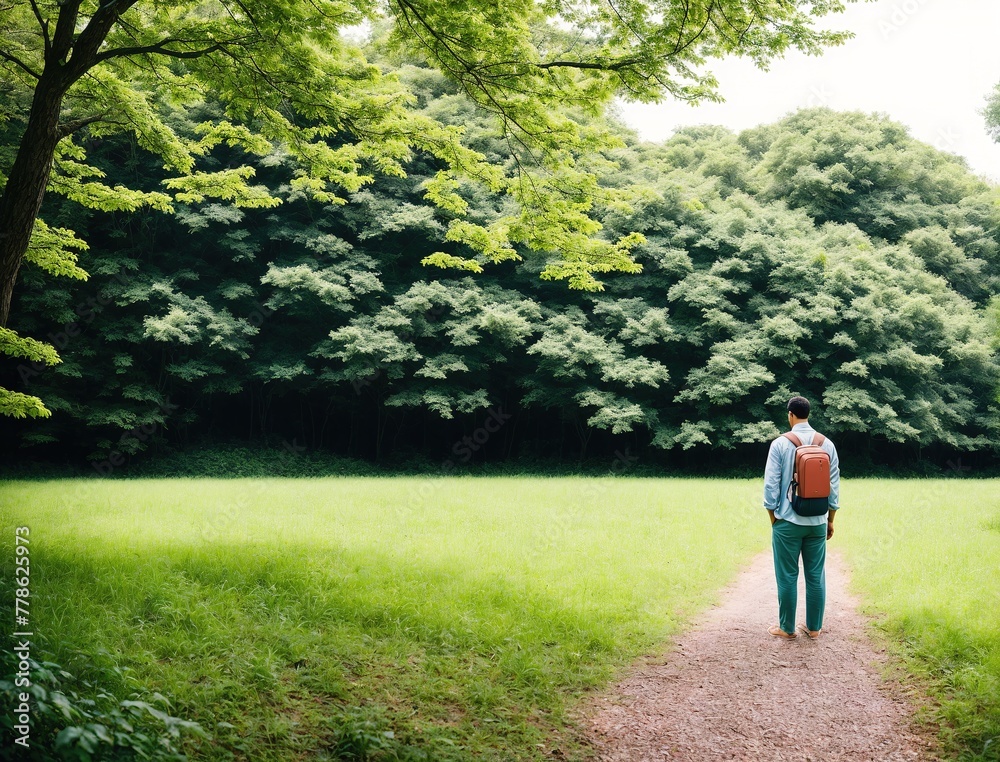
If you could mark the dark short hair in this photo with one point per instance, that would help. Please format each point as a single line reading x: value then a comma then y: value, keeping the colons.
x: 799, y: 407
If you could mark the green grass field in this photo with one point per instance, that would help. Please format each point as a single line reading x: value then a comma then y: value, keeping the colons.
x: 926, y: 560
x: 410, y: 618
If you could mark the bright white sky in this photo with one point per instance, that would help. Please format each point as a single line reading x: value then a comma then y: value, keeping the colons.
x: 926, y: 63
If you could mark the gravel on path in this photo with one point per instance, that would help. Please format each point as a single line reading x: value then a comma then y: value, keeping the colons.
x: 729, y: 690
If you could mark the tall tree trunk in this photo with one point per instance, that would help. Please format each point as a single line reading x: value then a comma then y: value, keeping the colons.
x: 69, y: 55
x: 22, y: 196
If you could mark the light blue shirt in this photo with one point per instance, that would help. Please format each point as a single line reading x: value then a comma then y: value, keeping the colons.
x: 778, y: 476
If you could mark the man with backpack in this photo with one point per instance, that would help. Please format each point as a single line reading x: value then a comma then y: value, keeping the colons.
x: 801, y: 494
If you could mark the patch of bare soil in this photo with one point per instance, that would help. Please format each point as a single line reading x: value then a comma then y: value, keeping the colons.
x: 729, y: 690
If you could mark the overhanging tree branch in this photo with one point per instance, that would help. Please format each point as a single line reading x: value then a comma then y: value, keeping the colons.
x: 681, y: 46
x: 625, y: 22
x: 43, y: 25
x: 19, y: 63
x: 598, y: 65
x: 158, y: 49
x: 66, y: 129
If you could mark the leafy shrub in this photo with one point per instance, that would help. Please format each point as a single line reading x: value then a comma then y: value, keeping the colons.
x: 77, y: 720
x: 362, y: 737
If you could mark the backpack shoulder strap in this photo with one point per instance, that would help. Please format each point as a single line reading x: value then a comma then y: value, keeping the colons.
x: 818, y: 439
x: 792, y: 438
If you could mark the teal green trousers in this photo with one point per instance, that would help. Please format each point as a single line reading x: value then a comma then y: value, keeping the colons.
x: 790, y: 541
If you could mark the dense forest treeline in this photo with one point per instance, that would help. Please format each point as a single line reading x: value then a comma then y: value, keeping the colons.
x: 829, y: 254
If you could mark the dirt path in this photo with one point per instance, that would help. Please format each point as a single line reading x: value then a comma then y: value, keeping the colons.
x: 728, y: 690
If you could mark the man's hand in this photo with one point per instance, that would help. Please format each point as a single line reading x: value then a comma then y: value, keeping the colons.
x: 771, y: 514
x: 829, y: 530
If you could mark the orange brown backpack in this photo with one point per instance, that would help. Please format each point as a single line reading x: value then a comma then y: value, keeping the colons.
x: 809, y: 492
